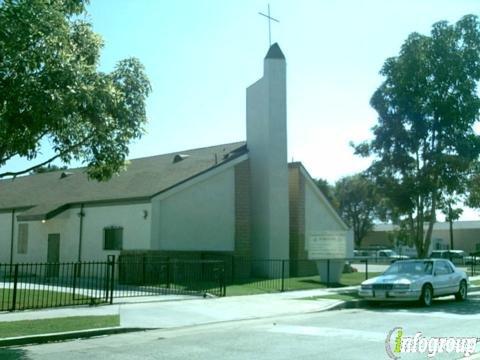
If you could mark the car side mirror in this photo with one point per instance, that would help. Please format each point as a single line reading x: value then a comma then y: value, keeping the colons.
x: 434, y: 273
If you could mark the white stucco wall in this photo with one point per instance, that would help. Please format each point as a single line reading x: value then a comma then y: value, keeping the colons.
x: 197, y: 217
x: 267, y: 143
x: 136, y: 229
x: 320, y: 217
x: 5, y: 233
x: 136, y: 233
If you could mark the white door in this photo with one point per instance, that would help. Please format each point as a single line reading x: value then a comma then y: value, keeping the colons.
x: 442, y: 278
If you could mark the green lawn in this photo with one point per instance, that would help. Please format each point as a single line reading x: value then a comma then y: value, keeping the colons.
x: 47, y: 326
x: 31, y: 299
x: 261, y: 286
x: 475, y: 282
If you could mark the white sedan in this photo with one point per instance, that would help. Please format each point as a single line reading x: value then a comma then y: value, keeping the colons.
x: 420, y: 280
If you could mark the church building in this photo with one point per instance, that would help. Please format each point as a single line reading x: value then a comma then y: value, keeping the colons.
x: 241, y: 199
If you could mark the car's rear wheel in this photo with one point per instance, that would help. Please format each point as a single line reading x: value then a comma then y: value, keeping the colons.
x: 427, y: 295
x: 462, y: 291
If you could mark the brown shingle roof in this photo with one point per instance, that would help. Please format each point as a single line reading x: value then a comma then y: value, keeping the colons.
x: 143, y: 178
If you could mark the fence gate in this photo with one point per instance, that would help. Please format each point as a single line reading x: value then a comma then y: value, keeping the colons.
x: 143, y: 275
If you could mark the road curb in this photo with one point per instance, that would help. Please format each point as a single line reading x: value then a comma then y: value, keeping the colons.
x: 355, y: 304
x: 70, y: 335
x: 348, y: 304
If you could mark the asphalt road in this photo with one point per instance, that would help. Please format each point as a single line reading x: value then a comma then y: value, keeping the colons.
x: 340, y: 334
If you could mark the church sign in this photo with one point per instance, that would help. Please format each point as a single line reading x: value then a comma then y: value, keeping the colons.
x: 327, y: 245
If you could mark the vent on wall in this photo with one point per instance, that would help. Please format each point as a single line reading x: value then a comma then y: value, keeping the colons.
x: 179, y: 157
x: 64, y: 174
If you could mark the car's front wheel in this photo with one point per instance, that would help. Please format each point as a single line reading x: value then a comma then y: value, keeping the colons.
x: 427, y: 295
x: 462, y: 291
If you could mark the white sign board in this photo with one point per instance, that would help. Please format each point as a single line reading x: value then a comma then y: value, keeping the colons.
x: 327, y: 245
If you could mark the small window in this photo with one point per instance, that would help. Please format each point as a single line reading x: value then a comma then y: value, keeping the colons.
x: 443, y: 268
x: 22, y: 244
x: 113, y: 238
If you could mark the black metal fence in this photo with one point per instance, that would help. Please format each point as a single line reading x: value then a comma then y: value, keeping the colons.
x: 149, y: 275
x: 287, y: 275
x: 31, y: 286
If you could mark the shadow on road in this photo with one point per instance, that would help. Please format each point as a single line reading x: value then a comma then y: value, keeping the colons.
x: 471, y: 306
x: 13, y: 354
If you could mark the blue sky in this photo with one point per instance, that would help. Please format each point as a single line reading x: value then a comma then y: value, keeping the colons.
x: 200, y: 55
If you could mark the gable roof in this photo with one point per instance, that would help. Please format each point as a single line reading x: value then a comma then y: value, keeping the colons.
x: 49, y: 193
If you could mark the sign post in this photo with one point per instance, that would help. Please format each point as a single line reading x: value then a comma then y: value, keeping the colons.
x: 329, y: 249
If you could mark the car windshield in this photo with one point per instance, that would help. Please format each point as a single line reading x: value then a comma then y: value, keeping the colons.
x: 410, y: 267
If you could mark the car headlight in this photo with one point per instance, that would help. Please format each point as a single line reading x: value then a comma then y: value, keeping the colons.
x: 401, y: 286
x: 367, y: 287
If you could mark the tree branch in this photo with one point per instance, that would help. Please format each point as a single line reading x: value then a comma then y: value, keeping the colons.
x: 5, y: 159
x: 16, y: 173
x: 71, y: 148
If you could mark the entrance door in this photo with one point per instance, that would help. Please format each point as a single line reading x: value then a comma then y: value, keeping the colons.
x: 53, y: 255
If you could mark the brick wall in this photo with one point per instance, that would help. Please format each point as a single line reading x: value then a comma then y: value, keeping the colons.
x: 296, y: 185
x: 243, y: 240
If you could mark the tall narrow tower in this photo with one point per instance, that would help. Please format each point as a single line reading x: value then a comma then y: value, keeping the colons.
x: 267, y: 145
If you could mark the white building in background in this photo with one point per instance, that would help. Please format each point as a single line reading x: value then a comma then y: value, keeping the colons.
x: 240, y: 199
x: 466, y: 236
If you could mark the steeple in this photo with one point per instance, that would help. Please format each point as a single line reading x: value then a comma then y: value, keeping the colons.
x: 267, y: 148
x: 275, y: 52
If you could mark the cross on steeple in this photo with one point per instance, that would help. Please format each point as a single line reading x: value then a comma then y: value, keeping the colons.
x: 269, y: 22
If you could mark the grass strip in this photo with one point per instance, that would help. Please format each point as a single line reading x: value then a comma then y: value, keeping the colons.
x: 55, y: 325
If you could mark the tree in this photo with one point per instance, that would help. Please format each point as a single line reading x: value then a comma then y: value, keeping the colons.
x: 357, y: 202
x: 424, y: 143
x: 52, y: 93
x: 451, y: 214
x: 328, y: 191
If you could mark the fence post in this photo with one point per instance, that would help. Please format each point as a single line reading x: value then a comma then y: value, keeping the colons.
x: 143, y: 269
x: 75, y: 274
x: 232, y: 280
x: 168, y: 273
x: 366, y: 269
x: 15, y: 282
x: 283, y: 276
x: 328, y: 272
x: 107, y: 280
x: 222, y: 277
x: 111, y: 263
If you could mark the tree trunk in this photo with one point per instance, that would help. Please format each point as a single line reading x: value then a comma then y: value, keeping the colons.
x: 431, y: 222
x: 450, y: 220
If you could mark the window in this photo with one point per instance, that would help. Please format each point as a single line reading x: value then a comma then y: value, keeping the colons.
x: 113, y: 238
x: 443, y: 268
x: 22, y: 244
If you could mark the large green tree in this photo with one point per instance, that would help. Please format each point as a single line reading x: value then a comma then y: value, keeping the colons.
x: 358, y: 204
x: 424, y: 143
x: 328, y: 191
x: 51, y: 91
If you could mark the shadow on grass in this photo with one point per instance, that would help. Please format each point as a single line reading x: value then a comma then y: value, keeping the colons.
x: 320, y: 284
x: 13, y: 354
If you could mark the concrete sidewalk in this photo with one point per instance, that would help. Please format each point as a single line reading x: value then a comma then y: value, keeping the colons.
x: 160, y: 312
x: 181, y: 311
x: 205, y: 311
